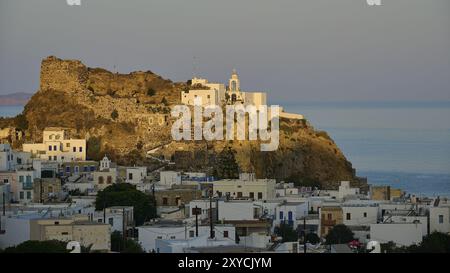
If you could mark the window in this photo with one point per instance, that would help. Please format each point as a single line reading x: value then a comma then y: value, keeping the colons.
x: 172, y: 237
x: 85, y: 169
x: 21, y: 178
x: 28, y: 194
x: 252, y: 195
x: 111, y: 221
x: 67, y: 144
x: 441, y: 219
x: 130, y: 176
x: 290, y: 216
x: 330, y: 216
x: 21, y: 195
x: 239, y: 194
x: 50, y: 147
x: 365, y: 214
x: 50, y: 158
x: 74, y: 149
x: 281, y: 215
x: 260, y: 196
x: 100, y: 220
x: 164, y: 201
x: 55, y: 158
x: 55, y: 148
x: 159, y: 237
x: 76, y: 169
x: 56, y: 223
x: 225, y: 234
x: 92, y: 168
x: 50, y: 189
x: 67, y: 169
x: 64, y: 233
x: 191, y: 233
x: 349, y: 216
x: 101, y: 180
x: 81, y: 149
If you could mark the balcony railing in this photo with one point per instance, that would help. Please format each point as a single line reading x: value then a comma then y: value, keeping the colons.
x: 27, y: 186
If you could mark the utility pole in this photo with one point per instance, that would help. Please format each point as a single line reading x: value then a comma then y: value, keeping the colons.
x: 304, y: 234
x: 4, y: 196
x: 196, y: 221
x: 40, y: 190
x: 211, y: 225
x: 124, y: 230
x: 104, y: 210
x: 3, y: 201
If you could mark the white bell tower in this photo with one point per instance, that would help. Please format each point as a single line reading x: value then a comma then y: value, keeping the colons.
x: 234, y: 84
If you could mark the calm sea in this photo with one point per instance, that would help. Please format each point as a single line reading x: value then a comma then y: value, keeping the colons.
x: 10, y: 111
x: 403, y: 144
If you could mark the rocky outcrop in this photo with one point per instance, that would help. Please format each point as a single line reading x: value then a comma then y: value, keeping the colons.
x: 126, y: 115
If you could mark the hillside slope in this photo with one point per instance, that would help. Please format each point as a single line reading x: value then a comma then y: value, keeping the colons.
x: 126, y: 115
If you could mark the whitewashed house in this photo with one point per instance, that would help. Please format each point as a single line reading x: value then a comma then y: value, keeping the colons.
x: 440, y: 219
x: 402, y: 234
x: 170, y: 230
x: 57, y: 146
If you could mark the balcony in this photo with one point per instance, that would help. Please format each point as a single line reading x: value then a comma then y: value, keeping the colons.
x: 27, y: 186
x: 328, y: 222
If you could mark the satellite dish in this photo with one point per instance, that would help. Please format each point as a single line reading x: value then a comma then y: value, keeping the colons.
x: 373, y: 247
x: 74, y: 246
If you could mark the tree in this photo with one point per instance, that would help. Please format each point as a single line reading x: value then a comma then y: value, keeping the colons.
x: 436, y: 242
x: 114, y: 114
x: 312, y: 238
x: 226, y: 166
x: 21, y: 122
x: 286, y: 232
x: 151, y: 92
x: 94, y: 146
x: 139, y: 145
x: 129, y: 246
x: 339, y: 234
x: 124, y: 194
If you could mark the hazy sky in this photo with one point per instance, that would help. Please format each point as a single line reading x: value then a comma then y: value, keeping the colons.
x: 296, y: 50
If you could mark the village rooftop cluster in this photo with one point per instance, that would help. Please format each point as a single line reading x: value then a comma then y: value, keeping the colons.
x: 48, y: 192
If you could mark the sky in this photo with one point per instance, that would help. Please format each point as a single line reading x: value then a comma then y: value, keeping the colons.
x: 296, y: 50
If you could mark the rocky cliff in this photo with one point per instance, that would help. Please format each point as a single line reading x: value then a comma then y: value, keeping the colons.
x: 126, y: 115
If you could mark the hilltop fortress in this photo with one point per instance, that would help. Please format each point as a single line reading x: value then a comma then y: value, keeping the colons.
x: 128, y: 115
